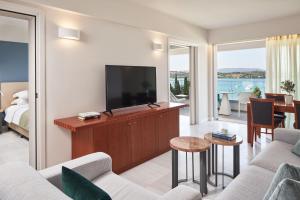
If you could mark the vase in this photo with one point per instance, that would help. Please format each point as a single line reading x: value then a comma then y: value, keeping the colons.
x: 288, y: 99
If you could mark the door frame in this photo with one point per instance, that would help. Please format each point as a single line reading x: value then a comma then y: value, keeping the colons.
x: 193, y: 59
x: 37, y: 77
x: 214, y: 69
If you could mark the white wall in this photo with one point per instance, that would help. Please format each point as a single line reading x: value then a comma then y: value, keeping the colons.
x: 131, y: 14
x: 261, y: 30
x: 13, y: 30
x: 75, y: 79
x: 75, y: 70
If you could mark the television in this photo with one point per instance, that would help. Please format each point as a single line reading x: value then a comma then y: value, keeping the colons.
x: 129, y: 86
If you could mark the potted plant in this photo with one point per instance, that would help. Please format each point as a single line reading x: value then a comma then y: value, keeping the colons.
x: 256, y: 92
x: 289, y: 88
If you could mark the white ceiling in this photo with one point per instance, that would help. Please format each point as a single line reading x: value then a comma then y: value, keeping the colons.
x: 211, y: 14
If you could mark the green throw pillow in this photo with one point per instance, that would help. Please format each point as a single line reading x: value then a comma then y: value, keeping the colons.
x: 286, y: 189
x: 296, y: 148
x: 79, y: 188
x: 285, y: 171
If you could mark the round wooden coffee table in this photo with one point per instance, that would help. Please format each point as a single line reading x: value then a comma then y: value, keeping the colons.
x: 191, y: 145
x: 214, y: 153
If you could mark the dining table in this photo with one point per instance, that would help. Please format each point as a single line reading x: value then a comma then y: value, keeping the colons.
x: 278, y: 107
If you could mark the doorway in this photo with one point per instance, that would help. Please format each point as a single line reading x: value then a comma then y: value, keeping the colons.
x: 181, y: 80
x: 20, y: 87
x: 240, y: 74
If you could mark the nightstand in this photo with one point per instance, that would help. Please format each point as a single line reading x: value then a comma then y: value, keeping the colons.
x: 3, y: 126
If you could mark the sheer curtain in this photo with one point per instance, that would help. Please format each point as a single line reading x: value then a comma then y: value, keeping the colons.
x: 283, y: 63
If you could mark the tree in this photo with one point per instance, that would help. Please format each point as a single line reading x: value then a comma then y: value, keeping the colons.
x: 177, y: 89
x: 172, y: 88
x: 186, y: 86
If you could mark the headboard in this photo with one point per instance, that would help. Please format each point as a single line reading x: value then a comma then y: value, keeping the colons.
x: 9, y: 89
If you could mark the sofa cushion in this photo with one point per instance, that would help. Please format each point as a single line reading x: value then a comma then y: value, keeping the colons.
x: 276, y: 153
x: 251, y: 184
x: 284, y: 171
x: 119, y: 188
x: 287, y: 189
x: 79, y: 188
x: 296, y: 148
x: 182, y: 192
x: 19, y: 181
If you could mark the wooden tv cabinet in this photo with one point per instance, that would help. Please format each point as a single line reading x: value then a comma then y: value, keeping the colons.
x: 130, y: 136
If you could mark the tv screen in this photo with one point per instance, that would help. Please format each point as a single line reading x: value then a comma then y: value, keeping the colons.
x: 129, y: 86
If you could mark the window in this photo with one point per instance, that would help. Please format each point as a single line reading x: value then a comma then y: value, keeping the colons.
x: 241, y: 71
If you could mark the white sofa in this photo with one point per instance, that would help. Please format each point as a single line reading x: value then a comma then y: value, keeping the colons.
x: 20, y: 182
x: 253, y: 182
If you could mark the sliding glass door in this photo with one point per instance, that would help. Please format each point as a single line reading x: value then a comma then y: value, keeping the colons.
x: 241, y: 73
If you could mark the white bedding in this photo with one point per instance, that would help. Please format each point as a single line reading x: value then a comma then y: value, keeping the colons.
x: 13, y: 113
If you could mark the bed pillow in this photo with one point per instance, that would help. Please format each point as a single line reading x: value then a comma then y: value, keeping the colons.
x: 22, y: 94
x: 19, y: 102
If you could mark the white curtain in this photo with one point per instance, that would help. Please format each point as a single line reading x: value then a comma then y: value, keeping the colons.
x: 283, y: 63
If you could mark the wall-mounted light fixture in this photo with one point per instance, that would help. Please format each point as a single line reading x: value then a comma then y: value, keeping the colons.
x: 157, y: 46
x: 68, y: 33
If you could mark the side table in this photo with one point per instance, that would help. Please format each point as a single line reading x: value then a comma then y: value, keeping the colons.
x: 192, y: 145
x: 214, y: 153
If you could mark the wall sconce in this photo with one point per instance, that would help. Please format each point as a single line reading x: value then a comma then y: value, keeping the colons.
x: 157, y: 46
x: 68, y: 33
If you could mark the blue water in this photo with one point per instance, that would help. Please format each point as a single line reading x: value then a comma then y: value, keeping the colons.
x: 239, y: 85
x: 233, y: 85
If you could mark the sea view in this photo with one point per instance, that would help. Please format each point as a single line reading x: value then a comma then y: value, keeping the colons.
x: 239, y: 85
x: 233, y: 85
x: 234, y: 80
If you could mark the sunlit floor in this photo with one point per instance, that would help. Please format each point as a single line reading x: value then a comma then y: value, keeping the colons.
x: 235, y: 117
x: 155, y: 175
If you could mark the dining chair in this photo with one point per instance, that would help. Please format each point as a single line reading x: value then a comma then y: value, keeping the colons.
x: 263, y: 116
x: 276, y: 96
x: 297, y: 114
x: 279, y: 98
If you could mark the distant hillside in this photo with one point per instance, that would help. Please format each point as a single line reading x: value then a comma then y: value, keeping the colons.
x: 232, y: 70
x: 236, y: 73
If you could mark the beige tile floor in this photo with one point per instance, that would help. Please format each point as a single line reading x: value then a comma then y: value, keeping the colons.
x: 155, y: 174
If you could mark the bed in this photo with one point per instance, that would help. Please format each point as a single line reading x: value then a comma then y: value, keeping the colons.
x: 16, y: 116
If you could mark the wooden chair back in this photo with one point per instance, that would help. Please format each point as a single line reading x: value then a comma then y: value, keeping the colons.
x: 297, y: 114
x: 277, y: 97
x: 262, y: 112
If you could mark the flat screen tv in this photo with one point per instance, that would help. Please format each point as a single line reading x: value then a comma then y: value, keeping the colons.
x: 129, y: 86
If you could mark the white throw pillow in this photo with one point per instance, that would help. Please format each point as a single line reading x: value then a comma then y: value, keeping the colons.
x: 22, y: 94
x: 19, y: 102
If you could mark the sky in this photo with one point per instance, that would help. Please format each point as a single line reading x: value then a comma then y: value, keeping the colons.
x: 179, y: 62
x: 245, y: 58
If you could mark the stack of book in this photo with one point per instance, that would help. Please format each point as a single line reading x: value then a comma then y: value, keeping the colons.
x: 224, y: 136
x: 88, y: 115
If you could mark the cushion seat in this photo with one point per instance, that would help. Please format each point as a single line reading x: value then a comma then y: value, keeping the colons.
x: 19, y: 181
x: 245, y: 186
x: 120, y: 189
x: 276, y: 153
